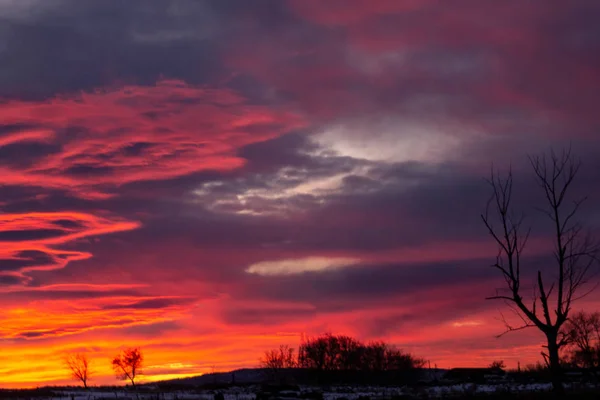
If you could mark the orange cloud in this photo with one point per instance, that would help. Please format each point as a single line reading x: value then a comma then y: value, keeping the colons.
x: 62, y: 317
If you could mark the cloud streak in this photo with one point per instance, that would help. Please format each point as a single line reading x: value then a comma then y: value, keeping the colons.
x: 299, y: 266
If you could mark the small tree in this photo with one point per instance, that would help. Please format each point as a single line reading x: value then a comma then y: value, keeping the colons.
x: 574, y: 253
x: 497, y: 364
x: 79, y: 365
x: 128, y: 364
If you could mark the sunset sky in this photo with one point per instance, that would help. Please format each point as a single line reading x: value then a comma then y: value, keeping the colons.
x: 210, y: 179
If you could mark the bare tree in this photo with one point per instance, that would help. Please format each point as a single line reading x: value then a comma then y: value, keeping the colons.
x: 375, y: 356
x: 79, y: 365
x: 279, y: 359
x: 128, y: 364
x: 574, y: 253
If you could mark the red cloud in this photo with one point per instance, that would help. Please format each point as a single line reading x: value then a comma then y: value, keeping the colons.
x: 136, y: 133
x: 28, y: 242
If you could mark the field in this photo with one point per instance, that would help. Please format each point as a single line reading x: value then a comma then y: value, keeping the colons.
x: 258, y: 392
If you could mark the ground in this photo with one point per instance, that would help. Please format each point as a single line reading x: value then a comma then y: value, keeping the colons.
x: 457, y: 391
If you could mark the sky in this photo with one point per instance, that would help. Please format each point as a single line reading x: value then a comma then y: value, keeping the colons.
x: 210, y: 179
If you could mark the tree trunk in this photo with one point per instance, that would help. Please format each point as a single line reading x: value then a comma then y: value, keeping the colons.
x: 555, y: 367
x: 137, y: 395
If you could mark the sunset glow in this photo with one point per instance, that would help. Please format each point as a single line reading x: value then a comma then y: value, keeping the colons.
x: 209, y: 179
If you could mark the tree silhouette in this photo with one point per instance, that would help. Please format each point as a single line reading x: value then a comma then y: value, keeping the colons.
x: 128, y: 364
x: 278, y: 359
x: 79, y: 365
x: 344, y: 353
x: 376, y: 356
x: 583, y: 331
x: 575, y: 253
x: 497, y: 364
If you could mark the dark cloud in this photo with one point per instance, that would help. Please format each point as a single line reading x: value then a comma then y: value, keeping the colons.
x: 362, y: 284
x: 89, y: 170
x: 149, y: 304
x: 158, y: 328
x: 26, y: 258
x: 23, y: 235
x: 10, y: 280
x: 41, y: 334
x: 72, y: 47
x: 23, y: 155
x: 285, y: 151
x: 71, y: 294
x: 67, y: 224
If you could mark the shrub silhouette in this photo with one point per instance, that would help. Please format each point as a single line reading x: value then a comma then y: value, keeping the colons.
x: 342, y: 359
x: 344, y: 353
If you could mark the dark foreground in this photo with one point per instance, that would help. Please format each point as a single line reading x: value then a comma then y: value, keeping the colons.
x: 531, y: 391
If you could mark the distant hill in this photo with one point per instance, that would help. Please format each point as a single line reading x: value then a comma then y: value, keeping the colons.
x: 239, y: 376
x: 248, y: 376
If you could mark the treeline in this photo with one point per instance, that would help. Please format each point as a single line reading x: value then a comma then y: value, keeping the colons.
x: 582, y: 335
x: 339, y: 358
x: 338, y: 352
